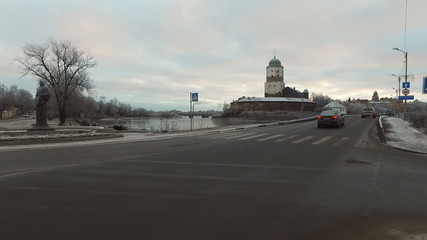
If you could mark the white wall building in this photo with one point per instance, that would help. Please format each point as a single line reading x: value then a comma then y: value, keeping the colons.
x: 336, y: 106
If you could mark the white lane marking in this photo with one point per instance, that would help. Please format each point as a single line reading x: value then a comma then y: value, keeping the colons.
x: 26, y: 171
x: 192, y: 176
x: 341, y: 141
x: 288, y: 138
x: 271, y: 137
x: 238, y: 135
x: 222, y: 165
x: 322, y: 140
x: 303, y: 139
x: 254, y: 136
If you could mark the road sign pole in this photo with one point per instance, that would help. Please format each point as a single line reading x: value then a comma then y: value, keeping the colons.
x: 191, y: 111
x: 398, y: 103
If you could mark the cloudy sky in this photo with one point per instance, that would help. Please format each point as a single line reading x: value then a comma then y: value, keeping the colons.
x: 153, y: 53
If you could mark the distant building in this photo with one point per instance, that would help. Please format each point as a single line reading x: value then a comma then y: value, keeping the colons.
x: 362, y: 101
x: 274, y: 85
x: 9, y: 112
x: 274, y: 104
x: 277, y: 97
x: 292, y: 92
x: 336, y: 106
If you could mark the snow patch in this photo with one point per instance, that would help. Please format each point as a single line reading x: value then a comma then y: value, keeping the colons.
x: 46, y: 136
x: 403, y: 135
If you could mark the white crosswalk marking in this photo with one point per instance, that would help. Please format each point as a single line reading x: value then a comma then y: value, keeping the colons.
x: 271, y: 137
x: 223, y: 135
x: 254, y: 136
x: 341, y: 141
x: 238, y: 135
x: 278, y: 138
x: 322, y: 140
x: 288, y: 138
x: 303, y: 139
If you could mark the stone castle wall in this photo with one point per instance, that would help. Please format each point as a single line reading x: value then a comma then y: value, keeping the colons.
x: 274, y: 106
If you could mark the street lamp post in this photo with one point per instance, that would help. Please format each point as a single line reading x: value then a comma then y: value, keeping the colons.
x: 398, y: 86
x: 396, y: 92
x: 406, y: 76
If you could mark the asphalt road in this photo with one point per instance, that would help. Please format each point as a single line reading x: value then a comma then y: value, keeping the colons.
x: 283, y: 182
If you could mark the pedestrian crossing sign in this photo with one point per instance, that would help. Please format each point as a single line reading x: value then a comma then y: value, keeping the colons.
x: 194, y: 97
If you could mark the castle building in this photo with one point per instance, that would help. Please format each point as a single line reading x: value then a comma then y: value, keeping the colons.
x: 277, y: 97
x: 274, y: 84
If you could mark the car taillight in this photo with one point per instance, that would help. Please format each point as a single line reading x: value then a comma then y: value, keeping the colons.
x: 334, y: 117
x: 319, y: 117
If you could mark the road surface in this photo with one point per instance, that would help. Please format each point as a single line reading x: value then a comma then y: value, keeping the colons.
x: 281, y: 182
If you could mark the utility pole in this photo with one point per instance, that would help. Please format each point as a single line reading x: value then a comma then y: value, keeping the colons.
x: 406, y: 78
x: 191, y: 111
x: 398, y: 93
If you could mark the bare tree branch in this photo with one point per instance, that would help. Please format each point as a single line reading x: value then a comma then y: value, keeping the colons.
x: 60, y: 64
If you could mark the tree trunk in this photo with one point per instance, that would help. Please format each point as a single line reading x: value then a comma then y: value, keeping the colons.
x: 62, y: 114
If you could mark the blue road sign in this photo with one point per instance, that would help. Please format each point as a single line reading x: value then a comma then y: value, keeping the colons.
x: 425, y: 85
x: 409, y: 97
x: 194, y: 97
x: 406, y: 85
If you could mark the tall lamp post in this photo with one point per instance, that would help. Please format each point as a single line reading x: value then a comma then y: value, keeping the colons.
x: 397, y: 94
x: 398, y: 86
x: 406, y: 76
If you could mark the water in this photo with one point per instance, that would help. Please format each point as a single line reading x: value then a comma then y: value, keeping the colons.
x: 175, y: 124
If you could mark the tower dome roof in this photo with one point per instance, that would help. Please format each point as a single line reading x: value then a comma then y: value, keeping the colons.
x: 274, y: 62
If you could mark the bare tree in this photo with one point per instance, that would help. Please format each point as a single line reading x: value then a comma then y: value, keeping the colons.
x: 3, y: 99
x: 320, y: 99
x: 63, y: 66
x: 25, y: 99
x: 7, y: 98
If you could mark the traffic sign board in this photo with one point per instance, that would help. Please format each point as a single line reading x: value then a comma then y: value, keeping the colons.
x: 425, y: 85
x: 405, y: 91
x: 406, y: 85
x: 194, y: 97
x: 409, y: 97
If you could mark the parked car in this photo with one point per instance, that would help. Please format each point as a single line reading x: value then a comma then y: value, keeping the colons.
x: 368, y: 112
x: 330, y: 118
x: 389, y: 113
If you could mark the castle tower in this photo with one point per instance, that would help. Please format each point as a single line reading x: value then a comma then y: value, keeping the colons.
x: 274, y: 83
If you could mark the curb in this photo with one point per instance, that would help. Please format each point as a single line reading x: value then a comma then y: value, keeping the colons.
x: 120, y: 136
x: 59, y: 140
x: 381, y: 133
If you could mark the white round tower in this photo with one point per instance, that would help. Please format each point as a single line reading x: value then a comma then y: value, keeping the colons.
x: 275, y: 79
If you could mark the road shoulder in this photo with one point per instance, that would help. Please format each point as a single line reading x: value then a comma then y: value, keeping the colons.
x: 402, y: 135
